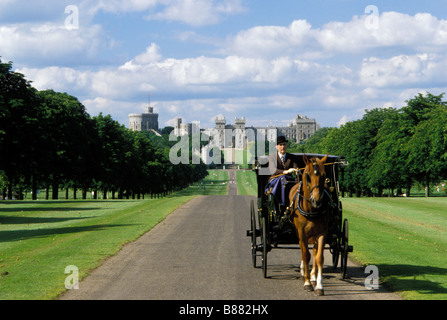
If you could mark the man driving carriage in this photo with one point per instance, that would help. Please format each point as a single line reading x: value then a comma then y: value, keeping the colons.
x: 281, y: 166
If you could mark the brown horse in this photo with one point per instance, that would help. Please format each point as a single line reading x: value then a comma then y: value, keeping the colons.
x: 308, y: 202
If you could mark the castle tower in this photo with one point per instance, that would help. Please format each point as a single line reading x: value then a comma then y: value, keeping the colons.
x: 239, y: 133
x: 144, y: 121
x: 177, y: 125
x: 220, y: 132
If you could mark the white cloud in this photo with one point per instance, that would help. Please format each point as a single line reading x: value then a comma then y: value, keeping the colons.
x: 394, y: 29
x: 151, y: 55
x: 403, y: 70
x: 274, y: 69
x: 203, y: 71
x: 58, y: 78
x: 342, y: 121
x: 191, y: 12
x: 421, y: 32
x: 117, y: 108
x: 264, y: 41
x: 197, y: 12
x: 51, y: 43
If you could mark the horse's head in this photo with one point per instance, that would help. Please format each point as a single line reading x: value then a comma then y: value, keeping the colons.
x: 314, y: 177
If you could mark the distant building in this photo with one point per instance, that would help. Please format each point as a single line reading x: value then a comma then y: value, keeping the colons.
x: 228, y: 135
x: 301, y: 129
x: 229, y: 138
x: 234, y: 136
x: 144, y: 121
x: 305, y: 127
x: 181, y: 129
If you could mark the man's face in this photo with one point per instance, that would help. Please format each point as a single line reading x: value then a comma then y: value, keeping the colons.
x: 282, y: 147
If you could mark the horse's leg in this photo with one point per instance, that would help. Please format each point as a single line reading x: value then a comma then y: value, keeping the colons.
x: 302, y: 267
x: 305, y: 257
x: 313, y: 279
x: 320, y: 262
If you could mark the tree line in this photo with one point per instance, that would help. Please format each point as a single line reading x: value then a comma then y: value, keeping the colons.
x: 48, y: 140
x: 389, y: 150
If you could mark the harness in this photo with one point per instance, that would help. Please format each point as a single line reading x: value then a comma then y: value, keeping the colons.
x: 301, y: 169
x: 325, y: 208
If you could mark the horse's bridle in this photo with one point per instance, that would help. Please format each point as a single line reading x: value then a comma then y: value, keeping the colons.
x: 323, y: 194
x: 308, y: 181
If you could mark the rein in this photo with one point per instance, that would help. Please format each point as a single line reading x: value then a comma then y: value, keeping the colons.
x: 300, y: 169
x: 296, y: 198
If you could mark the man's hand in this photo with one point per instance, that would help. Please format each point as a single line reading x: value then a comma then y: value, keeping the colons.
x: 289, y: 171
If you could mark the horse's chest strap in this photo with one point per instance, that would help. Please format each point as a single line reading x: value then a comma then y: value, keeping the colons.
x: 296, y: 198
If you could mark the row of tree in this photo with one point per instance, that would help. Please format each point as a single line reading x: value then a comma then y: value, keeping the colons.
x: 48, y: 140
x: 390, y: 149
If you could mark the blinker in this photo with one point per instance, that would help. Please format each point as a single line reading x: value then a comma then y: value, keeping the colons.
x: 316, y: 168
x: 308, y: 178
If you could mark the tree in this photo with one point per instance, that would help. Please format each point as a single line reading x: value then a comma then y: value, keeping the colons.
x: 422, y: 158
x: 427, y: 148
x: 66, y: 135
x: 363, y: 144
x: 20, y: 123
x: 388, y: 159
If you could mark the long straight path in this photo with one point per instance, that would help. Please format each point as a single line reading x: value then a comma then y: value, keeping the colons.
x: 201, y: 251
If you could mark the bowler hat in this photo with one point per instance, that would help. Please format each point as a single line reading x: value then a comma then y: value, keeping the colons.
x: 281, y: 139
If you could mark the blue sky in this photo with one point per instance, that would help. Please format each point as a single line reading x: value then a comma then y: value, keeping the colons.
x: 262, y: 59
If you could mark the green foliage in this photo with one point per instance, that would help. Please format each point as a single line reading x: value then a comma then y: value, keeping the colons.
x: 389, y: 148
x: 48, y: 139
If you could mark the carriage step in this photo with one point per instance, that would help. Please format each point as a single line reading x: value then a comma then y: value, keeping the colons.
x: 257, y: 232
x: 260, y: 247
x: 350, y: 248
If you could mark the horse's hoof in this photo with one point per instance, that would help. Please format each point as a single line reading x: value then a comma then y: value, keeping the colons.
x: 308, y: 288
x: 313, y: 283
x: 319, y: 292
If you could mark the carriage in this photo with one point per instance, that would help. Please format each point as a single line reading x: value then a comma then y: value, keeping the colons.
x: 267, y: 232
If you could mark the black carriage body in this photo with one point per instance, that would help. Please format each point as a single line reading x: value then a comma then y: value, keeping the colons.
x: 332, y: 170
x: 268, y: 216
x: 273, y: 212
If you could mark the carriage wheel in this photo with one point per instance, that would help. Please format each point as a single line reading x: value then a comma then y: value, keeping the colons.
x: 344, y: 248
x: 253, y: 232
x: 335, y: 253
x: 336, y: 241
x: 264, y: 246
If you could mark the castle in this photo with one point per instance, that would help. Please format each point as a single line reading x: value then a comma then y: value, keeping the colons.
x: 144, y: 121
x: 228, y: 135
x: 235, y: 135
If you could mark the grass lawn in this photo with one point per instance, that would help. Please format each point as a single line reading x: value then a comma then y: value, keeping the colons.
x: 406, y: 238
x: 216, y: 183
x: 246, y: 183
x: 39, y: 239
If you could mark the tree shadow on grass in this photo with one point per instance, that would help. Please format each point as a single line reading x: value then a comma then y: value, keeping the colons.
x: 16, y: 235
x: 8, y: 220
x: 44, y: 208
x: 397, y: 278
x: 5, y: 203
